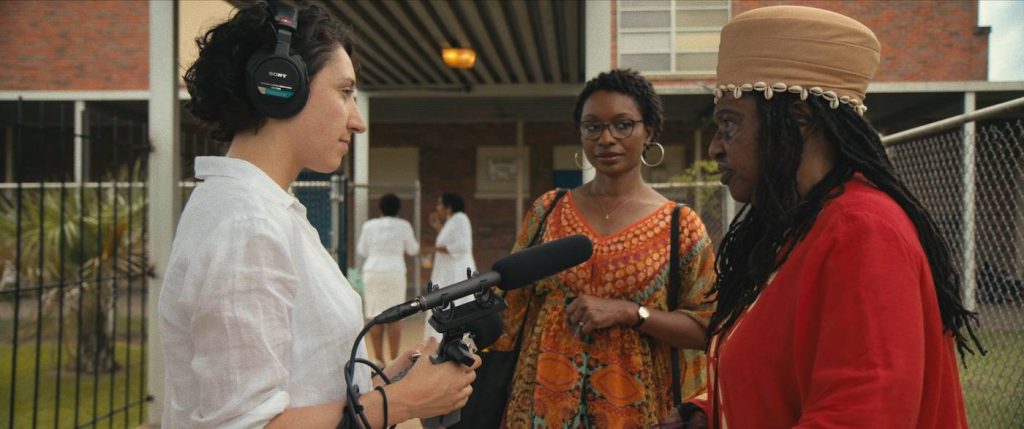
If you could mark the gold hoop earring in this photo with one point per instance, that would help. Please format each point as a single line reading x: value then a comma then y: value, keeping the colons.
x: 643, y: 159
x: 576, y: 157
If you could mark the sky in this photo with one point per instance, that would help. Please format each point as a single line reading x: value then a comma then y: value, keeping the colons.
x: 1006, y: 42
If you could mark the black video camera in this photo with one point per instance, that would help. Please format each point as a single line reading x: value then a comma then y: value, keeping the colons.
x: 465, y: 329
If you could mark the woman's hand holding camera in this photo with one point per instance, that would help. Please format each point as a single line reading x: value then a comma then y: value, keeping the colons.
x: 429, y: 389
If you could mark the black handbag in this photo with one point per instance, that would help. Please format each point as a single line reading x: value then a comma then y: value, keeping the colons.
x: 486, y: 406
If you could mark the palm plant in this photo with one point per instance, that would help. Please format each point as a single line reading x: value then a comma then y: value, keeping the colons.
x: 89, y: 237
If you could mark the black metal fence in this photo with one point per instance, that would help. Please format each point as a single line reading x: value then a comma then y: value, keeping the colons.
x: 73, y: 269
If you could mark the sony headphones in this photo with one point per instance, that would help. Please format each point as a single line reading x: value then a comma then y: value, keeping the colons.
x: 277, y: 82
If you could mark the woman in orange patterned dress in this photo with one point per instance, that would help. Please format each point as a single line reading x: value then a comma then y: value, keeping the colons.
x: 596, y: 340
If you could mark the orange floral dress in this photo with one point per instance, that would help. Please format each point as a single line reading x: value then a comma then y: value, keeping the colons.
x: 615, y: 377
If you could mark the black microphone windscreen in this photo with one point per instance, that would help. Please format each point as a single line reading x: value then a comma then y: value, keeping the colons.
x: 486, y: 330
x: 538, y: 262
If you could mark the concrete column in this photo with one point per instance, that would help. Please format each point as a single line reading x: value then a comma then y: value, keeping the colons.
x: 521, y: 175
x: 9, y: 154
x: 361, y: 169
x: 597, y: 24
x: 698, y: 175
x: 81, y: 146
x: 417, y: 227
x: 967, y: 166
x: 164, y: 174
x: 337, y: 199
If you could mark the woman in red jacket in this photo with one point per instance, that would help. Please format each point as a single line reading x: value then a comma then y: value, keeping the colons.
x: 838, y: 301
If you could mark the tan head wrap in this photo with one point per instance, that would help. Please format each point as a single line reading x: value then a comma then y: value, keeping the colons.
x: 797, y: 49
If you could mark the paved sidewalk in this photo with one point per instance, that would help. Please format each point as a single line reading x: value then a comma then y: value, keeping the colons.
x: 412, y: 333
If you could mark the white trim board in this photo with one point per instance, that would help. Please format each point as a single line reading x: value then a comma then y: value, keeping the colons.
x: 95, y: 95
x: 874, y: 88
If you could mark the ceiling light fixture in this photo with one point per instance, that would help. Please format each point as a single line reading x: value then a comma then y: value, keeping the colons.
x: 458, y: 58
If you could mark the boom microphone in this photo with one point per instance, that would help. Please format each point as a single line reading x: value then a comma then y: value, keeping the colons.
x: 539, y: 262
x: 511, y: 272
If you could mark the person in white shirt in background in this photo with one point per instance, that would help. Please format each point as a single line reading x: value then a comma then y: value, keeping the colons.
x: 384, y: 242
x: 453, y: 248
x: 257, y: 321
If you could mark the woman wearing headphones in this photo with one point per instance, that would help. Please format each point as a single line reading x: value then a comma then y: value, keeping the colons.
x: 257, y: 321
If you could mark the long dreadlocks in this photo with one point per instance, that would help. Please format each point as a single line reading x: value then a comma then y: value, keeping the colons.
x: 761, y: 237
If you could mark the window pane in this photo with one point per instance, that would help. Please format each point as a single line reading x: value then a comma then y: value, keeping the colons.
x: 645, y: 42
x: 636, y: 4
x: 646, y: 62
x: 697, y: 62
x: 686, y: 41
x: 646, y: 19
x: 701, y: 18
x: 683, y: 4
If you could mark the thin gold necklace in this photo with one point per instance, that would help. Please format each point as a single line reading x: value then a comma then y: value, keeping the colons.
x: 607, y: 214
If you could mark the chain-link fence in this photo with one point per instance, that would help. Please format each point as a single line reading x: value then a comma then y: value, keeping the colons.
x: 322, y: 196
x: 971, y: 181
x: 710, y: 200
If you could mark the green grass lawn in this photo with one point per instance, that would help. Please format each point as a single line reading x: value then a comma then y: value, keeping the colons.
x: 46, y: 407
x: 90, y: 386
x: 994, y: 384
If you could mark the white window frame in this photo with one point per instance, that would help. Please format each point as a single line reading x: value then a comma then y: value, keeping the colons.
x: 674, y: 7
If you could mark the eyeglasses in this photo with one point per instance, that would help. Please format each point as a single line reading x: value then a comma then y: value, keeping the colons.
x: 620, y: 129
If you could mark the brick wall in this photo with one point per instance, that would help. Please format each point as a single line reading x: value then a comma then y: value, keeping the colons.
x: 921, y: 40
x: 614, y: 46
x: 81, y: 45
x: 447, y: 162
x: 95, y: 45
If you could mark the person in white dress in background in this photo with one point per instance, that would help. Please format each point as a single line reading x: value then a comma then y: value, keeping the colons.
x: 384, y: 242
x: 453, y: 248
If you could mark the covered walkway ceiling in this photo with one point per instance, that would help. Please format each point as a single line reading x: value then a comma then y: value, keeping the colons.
x: 536, y: 42
x: 556, y: 107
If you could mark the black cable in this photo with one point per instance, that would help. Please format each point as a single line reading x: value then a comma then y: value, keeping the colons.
x: 355, y: 411
x: 352, y: 401
x: 384, y: 400
x: 376, y: 370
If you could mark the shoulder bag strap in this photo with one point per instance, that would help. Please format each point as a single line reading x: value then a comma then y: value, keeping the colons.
x: 536, y: 236
x: 673, y: 301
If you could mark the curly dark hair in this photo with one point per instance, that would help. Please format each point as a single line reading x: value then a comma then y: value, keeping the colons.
x: 631, y: 83
x: 390, y: 205
x: 453, y: 201
x: 755, y: 245
x: 216, y: 80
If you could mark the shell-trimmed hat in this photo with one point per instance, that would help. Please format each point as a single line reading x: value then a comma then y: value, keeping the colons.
x: 797, y: 49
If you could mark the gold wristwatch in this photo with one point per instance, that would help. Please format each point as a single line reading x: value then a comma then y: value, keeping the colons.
x: 642, y: 313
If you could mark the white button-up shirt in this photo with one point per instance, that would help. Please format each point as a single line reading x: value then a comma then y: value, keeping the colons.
x: 255, y: 316
x: 384, y: 242
x: 456, y: 236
